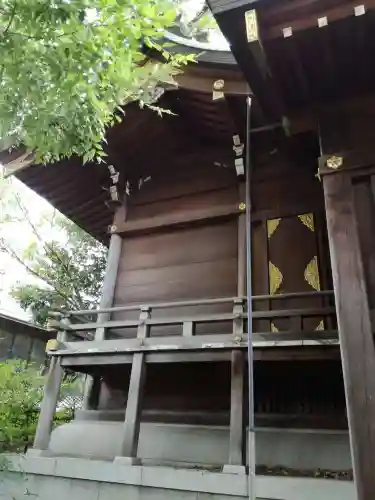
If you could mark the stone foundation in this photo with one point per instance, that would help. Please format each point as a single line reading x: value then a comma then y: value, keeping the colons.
x: 81, y: 479
x: 203, y: 444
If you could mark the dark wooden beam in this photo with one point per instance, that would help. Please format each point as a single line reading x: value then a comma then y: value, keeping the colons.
x: 347, y: 160
x: 200, y: 80
x: 305, y: 20
x: 355, y: 329
x: 239, y: 23
x: 86, y: 364
x: 174, y: 219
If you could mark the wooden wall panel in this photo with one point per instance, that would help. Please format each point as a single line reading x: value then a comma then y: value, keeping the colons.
x: 186, y: 263
x: 183, y: 182
x: 283, y: 186
x: 206, y: 243
x: 197, y: 265
x: 182, y: 205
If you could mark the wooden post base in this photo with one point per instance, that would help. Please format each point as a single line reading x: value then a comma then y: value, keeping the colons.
x: 127, y: 461
x: 234, y: 469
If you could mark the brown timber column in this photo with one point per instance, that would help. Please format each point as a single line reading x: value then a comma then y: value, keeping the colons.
x: 92, y: 386
x: 236, y: 433
x: 130, y: 438
x: 49, y: 403
x: 353, y: 314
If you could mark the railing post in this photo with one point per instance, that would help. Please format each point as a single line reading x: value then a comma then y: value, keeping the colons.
x: 236, y: 431
x: 129, y: 445
x: 188, y: 329
x: 49, y: 403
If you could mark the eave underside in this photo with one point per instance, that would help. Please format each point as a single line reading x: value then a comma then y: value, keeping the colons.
x: 310, y: 71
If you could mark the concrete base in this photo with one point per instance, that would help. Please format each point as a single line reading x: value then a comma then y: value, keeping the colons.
x: 80, y: 479
x: 34, y: 452
x: 204, y: 445
x: 234, y: 469
x: 127, y: 461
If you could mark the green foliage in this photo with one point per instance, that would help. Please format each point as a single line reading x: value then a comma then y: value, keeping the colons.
x: 67, y: 67
x: 21, y: 389
x: 71, y: 268
x: 65, y: 265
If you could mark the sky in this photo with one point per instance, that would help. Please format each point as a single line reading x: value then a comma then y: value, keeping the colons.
x: 20, y: 235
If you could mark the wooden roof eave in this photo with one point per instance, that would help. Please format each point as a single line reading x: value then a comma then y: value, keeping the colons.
x: 238, y: 21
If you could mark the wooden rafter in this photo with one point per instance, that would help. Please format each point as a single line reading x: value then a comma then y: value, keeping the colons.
x: 239, y: 24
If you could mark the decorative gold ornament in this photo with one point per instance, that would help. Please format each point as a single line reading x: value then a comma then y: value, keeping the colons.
x: 311, y: 274
x: 219, y: 85
x: 242, y: 207
x: 272, y: 225
x: 275, y: 278
x: 320, y: 326
x: 251, y: 22
x: 308, y: 221
x: 274, y: 328
x: 335, y: 162
x: 52, y: 345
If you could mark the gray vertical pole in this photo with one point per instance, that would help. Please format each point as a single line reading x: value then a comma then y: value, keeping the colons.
x: 251, y: 443
x: 91, y: 392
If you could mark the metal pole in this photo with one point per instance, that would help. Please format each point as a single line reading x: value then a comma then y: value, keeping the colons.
x: 250, y: 357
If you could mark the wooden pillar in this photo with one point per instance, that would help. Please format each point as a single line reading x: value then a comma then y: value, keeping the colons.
x: 49, y: 404
x: 241, y: 252
x: 129, y: 445
x: 236, y: 431
x: 109, y: 283
x: 92, y: 387
x: 355, y: 331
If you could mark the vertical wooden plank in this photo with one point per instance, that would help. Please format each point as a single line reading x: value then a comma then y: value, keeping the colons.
x: 236, y: 429
x: 49, y: 404
x: 109, y: 283
x: 356, y: 341
x: 241, y: 251
x: 236, y: 426
x: 236, y: 435
x: 365, y: 213
x: 260, y: 272
x: 133, y: 407
x: 187, y: 329
x: 324, y: 264
x: 129, y: 445
x: 92, y: 387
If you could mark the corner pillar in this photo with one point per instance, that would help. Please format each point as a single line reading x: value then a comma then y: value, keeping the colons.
x: 350, y: 205
x: 92, y: 386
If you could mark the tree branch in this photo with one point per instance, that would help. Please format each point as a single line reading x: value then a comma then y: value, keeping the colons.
x: 10, y: 20
x: 15, y: 256
x: 47, y: 247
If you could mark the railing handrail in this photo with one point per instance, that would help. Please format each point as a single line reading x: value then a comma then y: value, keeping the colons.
x: 197, y: 302
x: 200, y: 319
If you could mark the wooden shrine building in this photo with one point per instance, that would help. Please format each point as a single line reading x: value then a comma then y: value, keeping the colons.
x: 247, y: 214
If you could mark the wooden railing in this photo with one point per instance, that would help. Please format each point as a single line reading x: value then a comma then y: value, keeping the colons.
x: 185, y: 337
x: 186, y: 346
